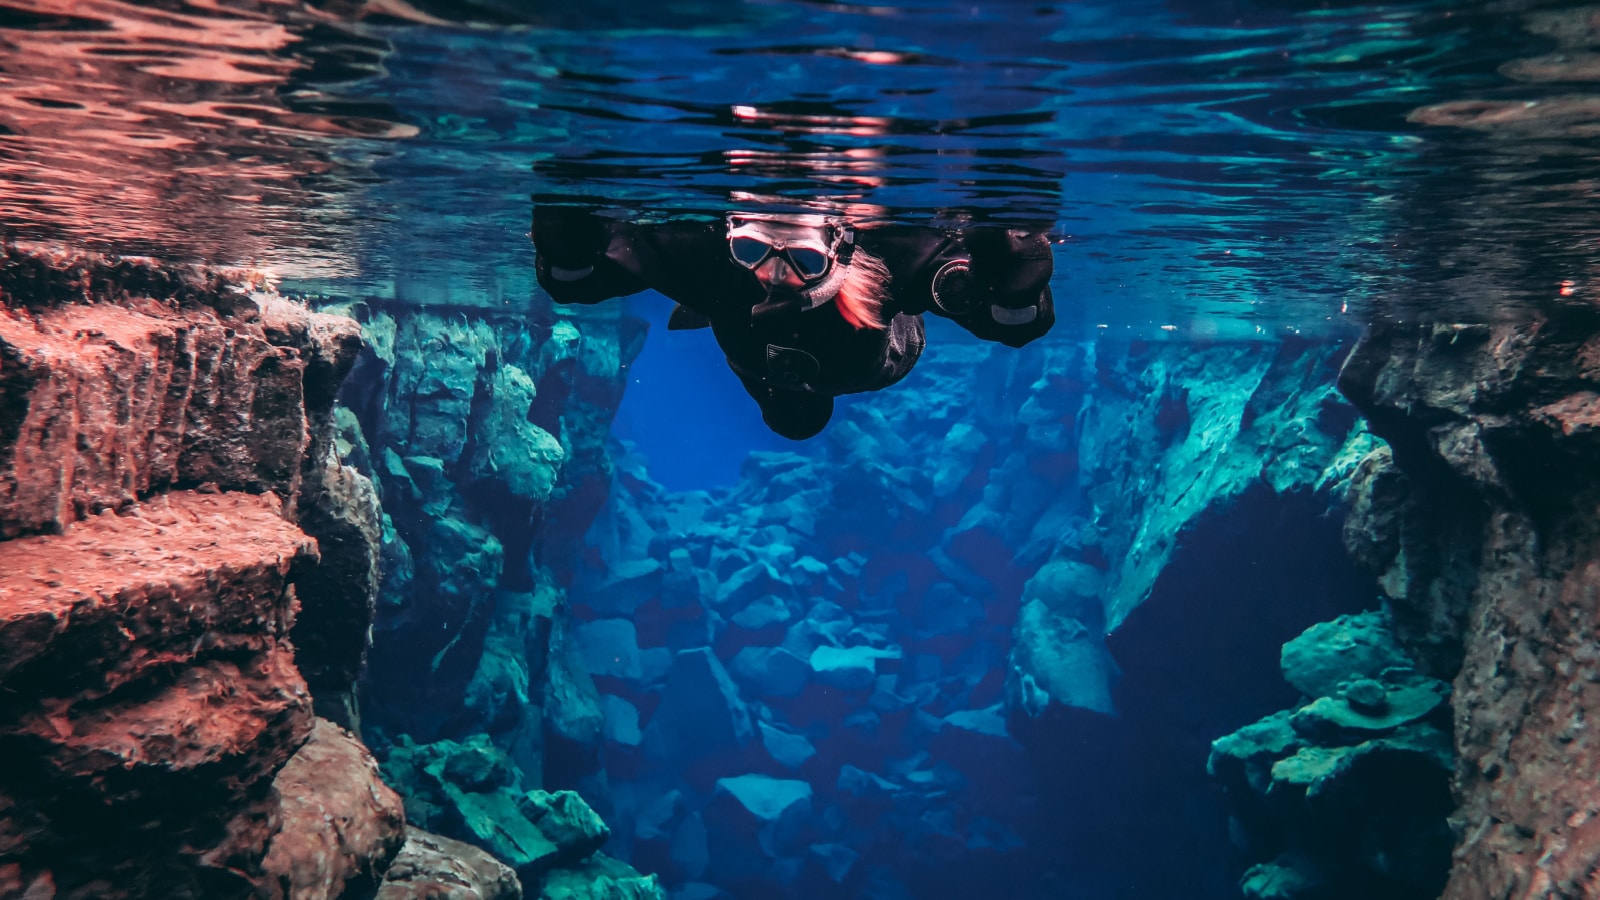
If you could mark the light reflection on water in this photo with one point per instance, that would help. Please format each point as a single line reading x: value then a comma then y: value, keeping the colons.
x: 1223, y: 169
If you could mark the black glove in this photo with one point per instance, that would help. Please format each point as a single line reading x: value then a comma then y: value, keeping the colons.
x: 1004, y: 293
x: 569, y: 238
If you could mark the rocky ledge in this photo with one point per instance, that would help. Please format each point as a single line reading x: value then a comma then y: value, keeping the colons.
x: 169, y: 507
x: 1482, y: 522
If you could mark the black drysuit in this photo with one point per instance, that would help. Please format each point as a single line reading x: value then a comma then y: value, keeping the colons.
x: 795, y: 361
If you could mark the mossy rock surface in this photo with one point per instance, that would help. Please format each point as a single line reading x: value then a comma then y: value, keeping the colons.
x: 1329, y: 717
x: 1349, y: 648
x: 601, y: 878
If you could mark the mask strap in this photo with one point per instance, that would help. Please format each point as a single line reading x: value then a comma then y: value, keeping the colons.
x: 847, y: 246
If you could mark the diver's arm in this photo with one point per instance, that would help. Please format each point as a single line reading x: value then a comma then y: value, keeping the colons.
x: 583, y: 257
x: 1000, y: 288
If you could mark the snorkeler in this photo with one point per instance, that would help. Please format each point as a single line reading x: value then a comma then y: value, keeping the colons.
x: 806, y: 307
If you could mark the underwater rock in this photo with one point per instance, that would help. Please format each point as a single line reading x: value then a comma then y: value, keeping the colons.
x: 761, y: 614
x: 689, y: 849
x: 1384, y: 708
x: 837, y: 860
x: 509, y: 453
x: 752, y: 821
x: 622, y: 721
x: 106, y: 403
x: 849, y: 668
x: 700, y: 712
x: 667, y: 838
x: 751, y: 583
x: 573, y: 721
x: 486, y: 430
x: 1289, y: 877
x: 432, y: 382
x: 788, y: 750
x: 338, y: 593
x: 860, y: 784
x: 150, y: 674
x: 340, y: 825
x: 1057, y: 660
x: 147, y: 653
x: 1481, y: 522
x: 567, y: 821
x: 433, y: 867
x: 608, y: 647
x: 510, y: 669
x: 771, y: 671
x: 601, y: 878
x: 1358, y: 646
x: 472, y: 791
x: 479, y: 795
x: 629, y: 583
x: 1172, y: 432
x: 184, y: 574
x: 1354, y: 785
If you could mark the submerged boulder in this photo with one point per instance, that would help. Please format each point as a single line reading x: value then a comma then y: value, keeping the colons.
x: 472, y: 791
x: 1355, y: 782
x: 753, y: 821
x: 700, y: 710
x: 850, y: 668
x: 600, y: 878
x: 1328, y: 654
x: 1058, y: 661
x: 771, y: 671
x: 433, y: 867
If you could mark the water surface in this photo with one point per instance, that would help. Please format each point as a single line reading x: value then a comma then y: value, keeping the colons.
x: 1214, y: 169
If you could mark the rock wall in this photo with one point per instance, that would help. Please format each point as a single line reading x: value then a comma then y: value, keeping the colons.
x: 1482, y: 521
x: 485, y: 435
x: 181, y: 557
x: 1167, y: 435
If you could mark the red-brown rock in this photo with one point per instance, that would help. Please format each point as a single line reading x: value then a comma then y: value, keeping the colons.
x: 153, y: 721
x: 183, y: 574
x: 104, y: 404
x: 1485, y: 529
x: 148, y: 695
x: 340, y: 824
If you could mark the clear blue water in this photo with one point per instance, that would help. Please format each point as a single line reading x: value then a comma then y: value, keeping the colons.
x: 1231, y: 169
x: 1223, y: 178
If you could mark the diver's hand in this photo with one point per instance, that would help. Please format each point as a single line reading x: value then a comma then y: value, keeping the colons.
x: 601, y: 280
x: 1007, y: 316
x: 1014, y: 324
x: 569, y: 240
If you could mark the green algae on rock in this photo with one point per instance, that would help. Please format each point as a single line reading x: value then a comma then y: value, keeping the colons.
x: 1354, y: 782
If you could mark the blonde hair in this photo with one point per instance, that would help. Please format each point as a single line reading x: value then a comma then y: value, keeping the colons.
x: 864, y: 292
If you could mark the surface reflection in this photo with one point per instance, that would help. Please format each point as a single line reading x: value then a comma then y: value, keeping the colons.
x: 1232, y: 170
x: 194, y: 132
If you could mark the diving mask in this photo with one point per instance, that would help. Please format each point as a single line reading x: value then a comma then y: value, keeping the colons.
x: 809, y: 245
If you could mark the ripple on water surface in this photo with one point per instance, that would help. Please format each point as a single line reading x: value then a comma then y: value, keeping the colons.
x: 1222, y: 170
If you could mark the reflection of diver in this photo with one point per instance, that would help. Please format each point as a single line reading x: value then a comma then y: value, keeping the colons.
x: 806, y: 307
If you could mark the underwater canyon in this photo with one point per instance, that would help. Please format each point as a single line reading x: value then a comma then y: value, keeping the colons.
x: 1091, y: 619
